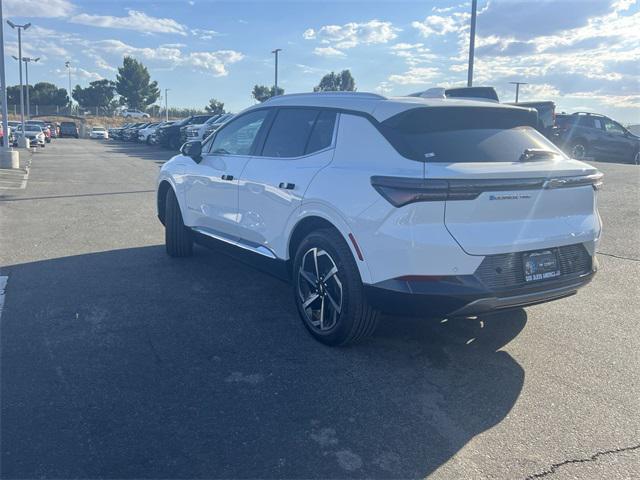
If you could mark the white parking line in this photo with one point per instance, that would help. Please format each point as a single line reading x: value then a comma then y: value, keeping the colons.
x: 3, y: 287
x: 16, y: 179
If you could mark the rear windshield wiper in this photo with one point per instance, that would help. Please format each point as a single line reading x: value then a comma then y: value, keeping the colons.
x: 531, y: 154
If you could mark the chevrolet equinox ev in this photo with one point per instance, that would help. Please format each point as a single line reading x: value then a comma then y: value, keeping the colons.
x: 432, y: 207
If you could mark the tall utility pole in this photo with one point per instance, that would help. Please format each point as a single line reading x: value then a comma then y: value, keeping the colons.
x: 8, y: 158
x: 276, y: 51
x: 26, y: 61
x: 68, y: 65
x: 472, y: 42
x: 517, y: 84
x: 20, y: 28
x: 166, y: 104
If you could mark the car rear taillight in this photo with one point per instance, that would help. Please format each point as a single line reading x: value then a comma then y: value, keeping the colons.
x: 401, y: 191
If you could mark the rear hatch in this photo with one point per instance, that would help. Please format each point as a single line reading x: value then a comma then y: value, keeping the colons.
x: 509, y: 188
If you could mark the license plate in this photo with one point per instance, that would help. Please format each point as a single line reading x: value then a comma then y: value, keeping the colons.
x: 540, y: 265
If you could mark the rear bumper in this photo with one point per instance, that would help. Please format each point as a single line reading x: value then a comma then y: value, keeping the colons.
x: 466, y: 295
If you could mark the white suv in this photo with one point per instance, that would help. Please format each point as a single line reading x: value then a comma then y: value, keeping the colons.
x: 131, y: 113
x: 435, y: 207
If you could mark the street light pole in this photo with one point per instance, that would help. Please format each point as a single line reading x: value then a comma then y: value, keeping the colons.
x: 26, y: 61
x: 517, y: 84
x: 9, y: 158
x: 20, y: 28
x: 276, y: 51
x: 472, y: 42
x: 68, y: 65
x: 166, y: 105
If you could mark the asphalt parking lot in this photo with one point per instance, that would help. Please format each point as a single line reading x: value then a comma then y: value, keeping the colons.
x: 120, y: 362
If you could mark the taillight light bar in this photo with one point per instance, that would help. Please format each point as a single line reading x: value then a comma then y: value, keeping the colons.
x: 400, y: 191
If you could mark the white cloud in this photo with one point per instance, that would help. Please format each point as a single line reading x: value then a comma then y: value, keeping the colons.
x: 78, y: 73
x: 169, y: 56
x: 352, y: 34
x: 135, y: 20
x: 203, y: 34
x: 441, y: 25
x: 413, y: 53
x: 36, y: 8
x: 328, y: 52
x: 416, y: 76
x: 308, y: 70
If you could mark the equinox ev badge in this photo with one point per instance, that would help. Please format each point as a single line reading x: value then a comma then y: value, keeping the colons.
x: 510, y: 196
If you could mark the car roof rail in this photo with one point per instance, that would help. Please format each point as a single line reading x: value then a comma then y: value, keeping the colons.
x: 363, y: 95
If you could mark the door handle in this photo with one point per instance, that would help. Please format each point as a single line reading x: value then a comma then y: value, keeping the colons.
x: 227, y: 177
x: 287, y: 186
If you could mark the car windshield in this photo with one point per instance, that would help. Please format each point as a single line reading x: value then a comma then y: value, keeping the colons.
x: 98, y: 129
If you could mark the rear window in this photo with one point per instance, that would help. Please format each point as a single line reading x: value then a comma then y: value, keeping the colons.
x: 67, y: 124
x: 465, y: 134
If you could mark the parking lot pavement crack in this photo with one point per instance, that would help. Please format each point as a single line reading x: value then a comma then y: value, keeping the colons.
x: 631, y: 259
x: 554, y: 468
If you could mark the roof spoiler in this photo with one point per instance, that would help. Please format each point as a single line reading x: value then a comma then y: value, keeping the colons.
x: 475, y: 93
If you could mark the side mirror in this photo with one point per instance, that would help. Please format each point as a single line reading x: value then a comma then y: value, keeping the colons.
x: 193, y: 150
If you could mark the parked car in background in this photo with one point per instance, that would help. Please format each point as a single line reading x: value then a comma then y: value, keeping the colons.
x: 201, y: 119
x: 33, y: 132
x: 144, y: 134
x: 69, y: 129
x: 116, y: 132
x: 99, y: 133
x: 584, y: 134
x: 217, y: 124
x: 422, y: 206
x: 43, y: 126
x: 200, y: 132
x: 546, y: 115
x: 53, y: 128
x: 169, y: 136
x: 131, y: 134
x: 133, y: 113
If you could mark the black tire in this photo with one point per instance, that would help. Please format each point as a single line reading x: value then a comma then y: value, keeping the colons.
x: 356, y: 319
x: 635, y: 160
x: 578, y: 149
x: 178, y: 238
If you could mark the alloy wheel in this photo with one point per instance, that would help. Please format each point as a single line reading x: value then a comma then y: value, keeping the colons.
x: 578, y: 151
x: 320, y: 289
x: 636, y: 159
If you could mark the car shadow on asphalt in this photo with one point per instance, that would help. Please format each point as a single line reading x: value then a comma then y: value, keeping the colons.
x: 131, y: 364
x: 140, y: 150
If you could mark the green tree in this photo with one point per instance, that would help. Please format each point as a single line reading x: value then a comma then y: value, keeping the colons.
x: 215, y: 107
x: 336, y: 82
x: 262, y: 92
x: 98, y: 94
x: 45, y: 93
x: 134, y: 84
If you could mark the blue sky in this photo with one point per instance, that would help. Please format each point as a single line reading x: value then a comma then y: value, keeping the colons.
x: 583, y: 54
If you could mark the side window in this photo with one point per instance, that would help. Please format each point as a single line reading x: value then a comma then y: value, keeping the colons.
x: 322, y: 134
x: 597, y: 123
x: 612, y: 127
x: 585, y: 121
x: 237, y: 137
x: 290, y: 132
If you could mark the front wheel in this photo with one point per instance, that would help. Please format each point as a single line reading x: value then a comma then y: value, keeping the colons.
x: 177, y: 238
x: 328, y: 291
x: 636, y: 158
